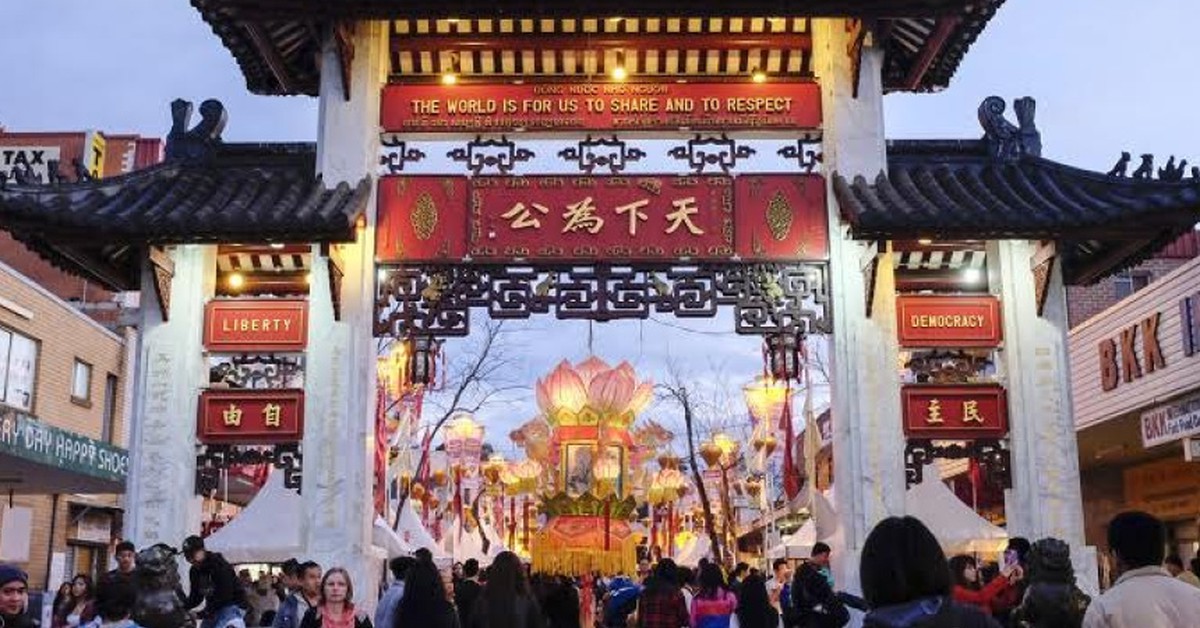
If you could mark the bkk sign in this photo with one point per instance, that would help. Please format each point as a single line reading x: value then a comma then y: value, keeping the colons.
x: 948, y: 321
x: 256, y: 325
x: 600, y: 107
x: 954, y: 412
x: 1129, y: 368
x: 609, y: 218
x: 1172, y: 422
x: 250, y: 416
x: 25, y: 437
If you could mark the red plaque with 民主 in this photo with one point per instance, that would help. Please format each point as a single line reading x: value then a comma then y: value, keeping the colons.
x: 600, y: 106
x: 962, y: 412
x: 421, y: 218
x: 601, y: 218
x: 781, y: 217
x: 256, y: 325
x: 250, y: 416
x: 948, y: 321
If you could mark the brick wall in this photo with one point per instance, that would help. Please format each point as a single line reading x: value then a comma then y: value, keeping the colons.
x: 63, y: 334
x: 65, y: 286
x: 1084, y: 302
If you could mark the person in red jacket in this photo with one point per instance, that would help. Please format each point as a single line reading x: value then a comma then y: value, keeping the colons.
x: 967, y: 589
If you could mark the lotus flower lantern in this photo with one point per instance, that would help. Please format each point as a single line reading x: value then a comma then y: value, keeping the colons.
x: 606, y: 471
x: 592, y: 392
x: 464, y: 440
x: 711, y: 453
x: 765, y: 444
x: 754, y: 487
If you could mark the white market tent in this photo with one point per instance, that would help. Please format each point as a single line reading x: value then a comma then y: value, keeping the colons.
x: 798, y: 544
x: 383, y: 536
x: 699, y: 547
x: 413, y: 532
x: 956, y: 525
x: 267, y: 530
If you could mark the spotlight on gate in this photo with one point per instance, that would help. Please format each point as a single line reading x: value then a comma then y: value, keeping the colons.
x: 618, y: 72
x: 236, y: 281
x: 450, y: 77
x: 972, y: 275
x: 758, y: 76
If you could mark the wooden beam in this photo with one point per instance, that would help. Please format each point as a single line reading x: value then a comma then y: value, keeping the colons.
x: 601, y: 41
x: 551, y: 9
x: 931, y: 50
x: 270, y: 54
x: 1099, y: 267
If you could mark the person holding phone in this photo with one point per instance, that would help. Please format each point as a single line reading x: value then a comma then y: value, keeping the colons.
x: 1014, y: 562
x: 969, y: 590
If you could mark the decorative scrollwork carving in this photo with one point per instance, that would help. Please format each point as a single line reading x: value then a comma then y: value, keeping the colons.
x: 1007, y: 141
x: 501, y: 154
x: 602, y: 152
x: 807, y: 153
x: 993, y: 457
x: 717, y: 151
x: 258, y: 371
x: 212, y: 459
x: 767, y: 298
x: 396, y: 153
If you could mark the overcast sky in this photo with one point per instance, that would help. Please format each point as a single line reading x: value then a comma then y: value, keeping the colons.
x: 1108, y: 75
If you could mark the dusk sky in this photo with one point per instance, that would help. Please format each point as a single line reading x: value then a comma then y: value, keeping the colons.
x: 1108, y: 75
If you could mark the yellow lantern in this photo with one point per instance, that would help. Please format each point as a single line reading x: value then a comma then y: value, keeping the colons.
x: 493, y: 467
x: 711, y: 453
x: 766, y: 399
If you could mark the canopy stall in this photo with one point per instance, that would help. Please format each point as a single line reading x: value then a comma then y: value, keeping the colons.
x: 956, y: 525
x: 413, y: 532
x: 267, y: 530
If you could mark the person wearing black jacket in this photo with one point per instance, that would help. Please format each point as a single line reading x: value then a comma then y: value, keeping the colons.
x: 814, y: 604
x: 14, y: 597
x: 213, y: 582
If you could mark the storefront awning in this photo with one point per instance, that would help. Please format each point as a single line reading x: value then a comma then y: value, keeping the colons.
x: 39, y: 458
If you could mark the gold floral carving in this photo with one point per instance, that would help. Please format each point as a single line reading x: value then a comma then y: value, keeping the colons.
x: 779, y: 216
x: 424, y: 216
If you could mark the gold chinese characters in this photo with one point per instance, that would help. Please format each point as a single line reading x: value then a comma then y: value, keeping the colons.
x: 584, y: 216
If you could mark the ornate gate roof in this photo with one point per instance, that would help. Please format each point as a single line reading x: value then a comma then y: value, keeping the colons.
x: 276, y: 42
x: 1001, y: 187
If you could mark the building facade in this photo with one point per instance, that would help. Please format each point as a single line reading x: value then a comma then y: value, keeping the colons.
x: 63, y: 394
x: 1136, y: 381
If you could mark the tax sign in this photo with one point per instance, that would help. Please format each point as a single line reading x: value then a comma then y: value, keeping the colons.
x: 600, y: 107
x: 256, y: 325
x: 954, y: 412
x: 609, y: 218
x: 250, y: 416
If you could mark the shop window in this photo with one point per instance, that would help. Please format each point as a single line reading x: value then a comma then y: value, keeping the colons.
x: 81, y: 383
x: 18, y: 369
x: 1126, y: 284
x: 108, y: 432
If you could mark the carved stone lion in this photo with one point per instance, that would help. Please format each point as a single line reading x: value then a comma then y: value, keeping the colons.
x: 157, y: 581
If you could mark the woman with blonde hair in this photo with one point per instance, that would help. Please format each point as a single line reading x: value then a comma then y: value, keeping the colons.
x: 336, y: 606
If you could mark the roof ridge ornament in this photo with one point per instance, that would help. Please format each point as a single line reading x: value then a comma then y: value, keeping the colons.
x: 1007, y: 141
x: 200, y: 141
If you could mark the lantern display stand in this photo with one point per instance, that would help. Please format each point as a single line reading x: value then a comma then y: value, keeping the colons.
x: 588, y: 502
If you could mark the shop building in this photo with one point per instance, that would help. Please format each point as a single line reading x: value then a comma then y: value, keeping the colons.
x: 1135, y: 375
x: 63, y: 462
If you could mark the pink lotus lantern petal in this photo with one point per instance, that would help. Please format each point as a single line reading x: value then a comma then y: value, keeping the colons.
x: 544, y: 401
x: 565, y: 389
x: 611, y: 391
x: 642, y: 395
x: 590, y: 368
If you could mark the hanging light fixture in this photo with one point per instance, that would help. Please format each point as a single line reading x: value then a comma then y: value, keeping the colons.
x: 766, y: 398
x: 423, y: 352
x: 781, y: 353
x: 464, y: 440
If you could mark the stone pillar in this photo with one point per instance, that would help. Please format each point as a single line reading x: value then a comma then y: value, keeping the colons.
x: 868, y: 441
x: 170, y: 372
x: 340, y: 366
x: 1046, y: 498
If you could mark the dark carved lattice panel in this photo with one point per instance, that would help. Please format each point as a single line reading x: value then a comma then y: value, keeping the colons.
x: 993, y: 457
x: 212, y: 459
x: 766, y: 298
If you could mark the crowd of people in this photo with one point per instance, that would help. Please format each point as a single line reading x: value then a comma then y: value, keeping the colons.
x: 905, y: 578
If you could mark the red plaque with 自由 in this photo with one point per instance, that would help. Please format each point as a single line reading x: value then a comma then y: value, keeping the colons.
x: 250, y: 416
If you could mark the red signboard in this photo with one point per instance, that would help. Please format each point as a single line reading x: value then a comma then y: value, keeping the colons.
x: 644, y: 218
x: 781, y: 217
x: 250, y: 416
x: 955, y: 412
x: 256, y: 325
x: 948, y: 321
x: 603, y: 218
x: 600, y: 106
x: 422, y: 218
